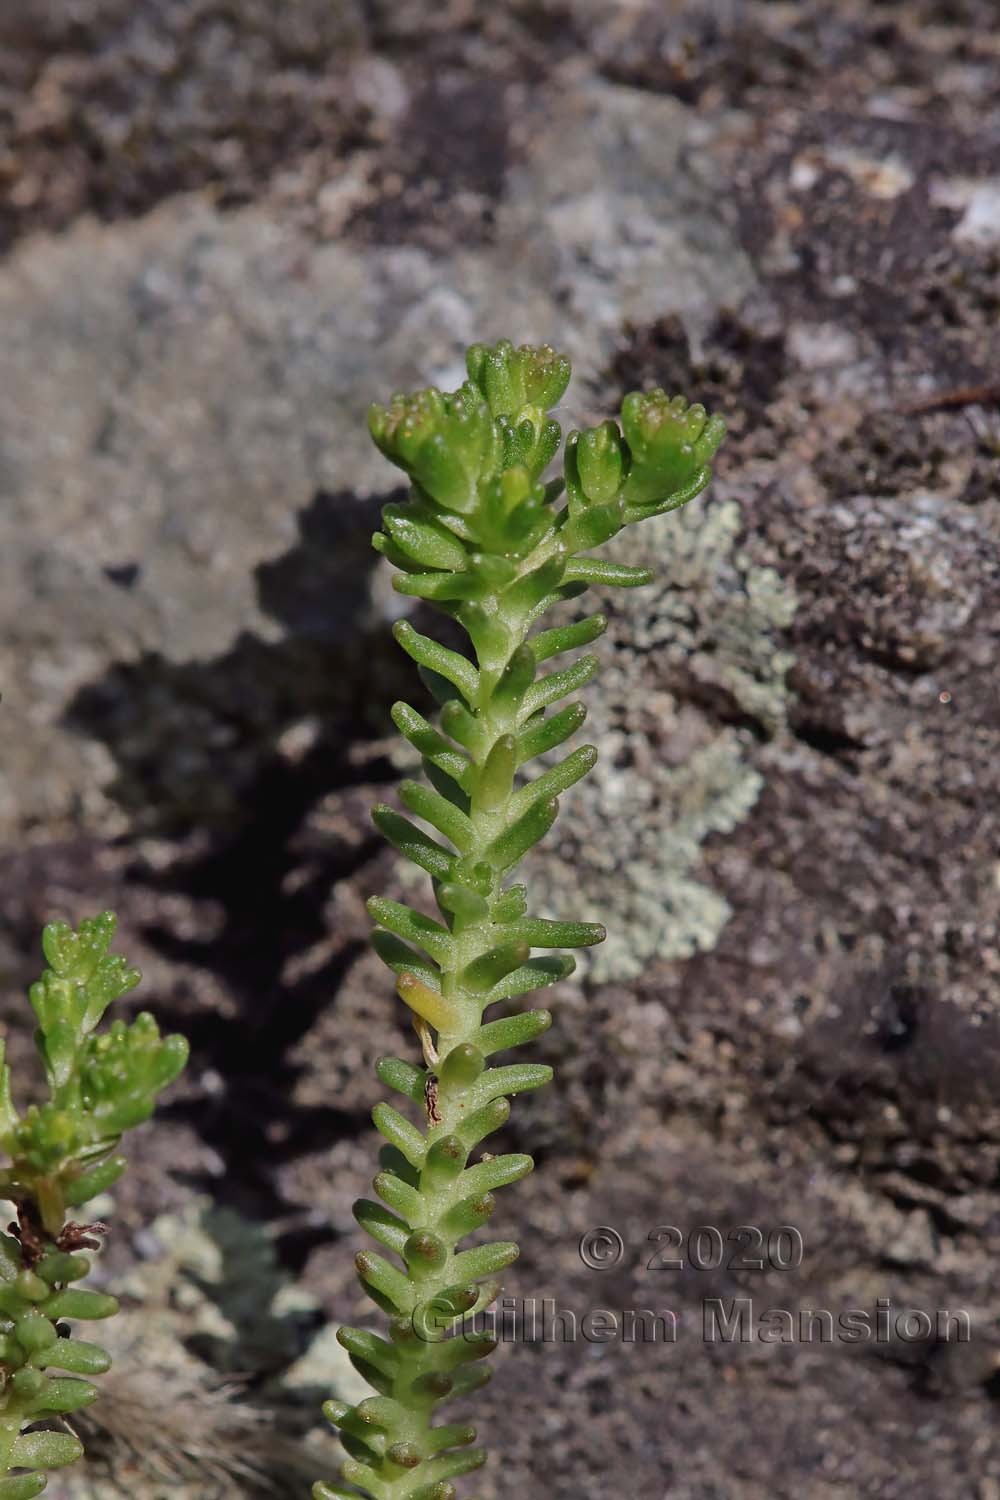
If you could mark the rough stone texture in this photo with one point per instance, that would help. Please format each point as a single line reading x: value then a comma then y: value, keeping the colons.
x: 703, y: 636
x: 223, y: 235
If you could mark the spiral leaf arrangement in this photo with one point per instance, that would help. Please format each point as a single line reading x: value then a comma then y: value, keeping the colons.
x: 489, y: 542
x: 62, y: 1154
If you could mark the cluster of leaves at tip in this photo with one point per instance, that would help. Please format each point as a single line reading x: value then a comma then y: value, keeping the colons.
x: 489, y: 542
x: 63, y: 1153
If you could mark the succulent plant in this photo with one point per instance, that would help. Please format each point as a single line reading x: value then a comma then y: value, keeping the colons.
x: 63, y: 1153
x: 492, y: 543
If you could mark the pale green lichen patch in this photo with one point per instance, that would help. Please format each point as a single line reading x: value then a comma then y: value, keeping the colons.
x: 668, y: 776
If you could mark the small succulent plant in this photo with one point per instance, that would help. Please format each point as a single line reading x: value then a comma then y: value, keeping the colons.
x: 63, y: 1153
x: 487, y: 540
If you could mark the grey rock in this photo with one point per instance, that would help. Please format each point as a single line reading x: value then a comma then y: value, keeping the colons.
x: 211, y: 373
x: 757, y: 204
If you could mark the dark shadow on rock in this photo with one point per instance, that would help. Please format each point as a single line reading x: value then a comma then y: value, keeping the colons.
x: 265, y: 1336
x: 193, y: 741
x: 229, y: 760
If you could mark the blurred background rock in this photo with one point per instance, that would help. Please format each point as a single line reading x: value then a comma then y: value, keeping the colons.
x: 224, y: 230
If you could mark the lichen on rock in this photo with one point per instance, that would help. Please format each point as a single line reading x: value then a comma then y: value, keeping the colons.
x: 696, y: 662
x: 209, y: 1308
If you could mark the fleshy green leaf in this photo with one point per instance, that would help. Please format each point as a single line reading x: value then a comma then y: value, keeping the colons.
x: 595, y: 465
x: 423, y: 539
x: 483, y: 1122
x: 568, y: 637
x: 76, y: 1356
x: 518, y: 1078
x: 399, y: 1195
x: 490, y: 968
x: 123, y: 1069
x: 513, y: 1031
x: 400, y: 1133
x: 402, y: 1076
x: 556, y: 780
x: 461, y: 1067
x: 403, y: 959
x: 22, y: 1486
x: 522, y: 834
x: 510, y: 378
x: 45, y: 1451
x: 438, y: 812
x: 436, y: 587
x: 541, y: 734
x: 498, y: 1172
x: 392, y: 1287
x: 382, y: 1225
x: 515, y: 681
x: 74, y: 1302
x: 413, y: 843
x: 590, y: 570
x: 456, y: 669
x: 61, y: 1396
x: 432, y: 746
x: 542, y: 933
x: 80, y: 1189
x: 412, y: 926
x: 451, y: 1465
x: 670, y: 446
x: 591, y: 527
x: 557, y: 685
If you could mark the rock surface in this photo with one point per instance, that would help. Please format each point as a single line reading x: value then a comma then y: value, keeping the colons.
x: 221, y: 238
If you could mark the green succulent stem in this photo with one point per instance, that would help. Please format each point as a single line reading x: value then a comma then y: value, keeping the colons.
x: 61, y: 1154
x: 43, y: 1370
x: 485, y: 540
